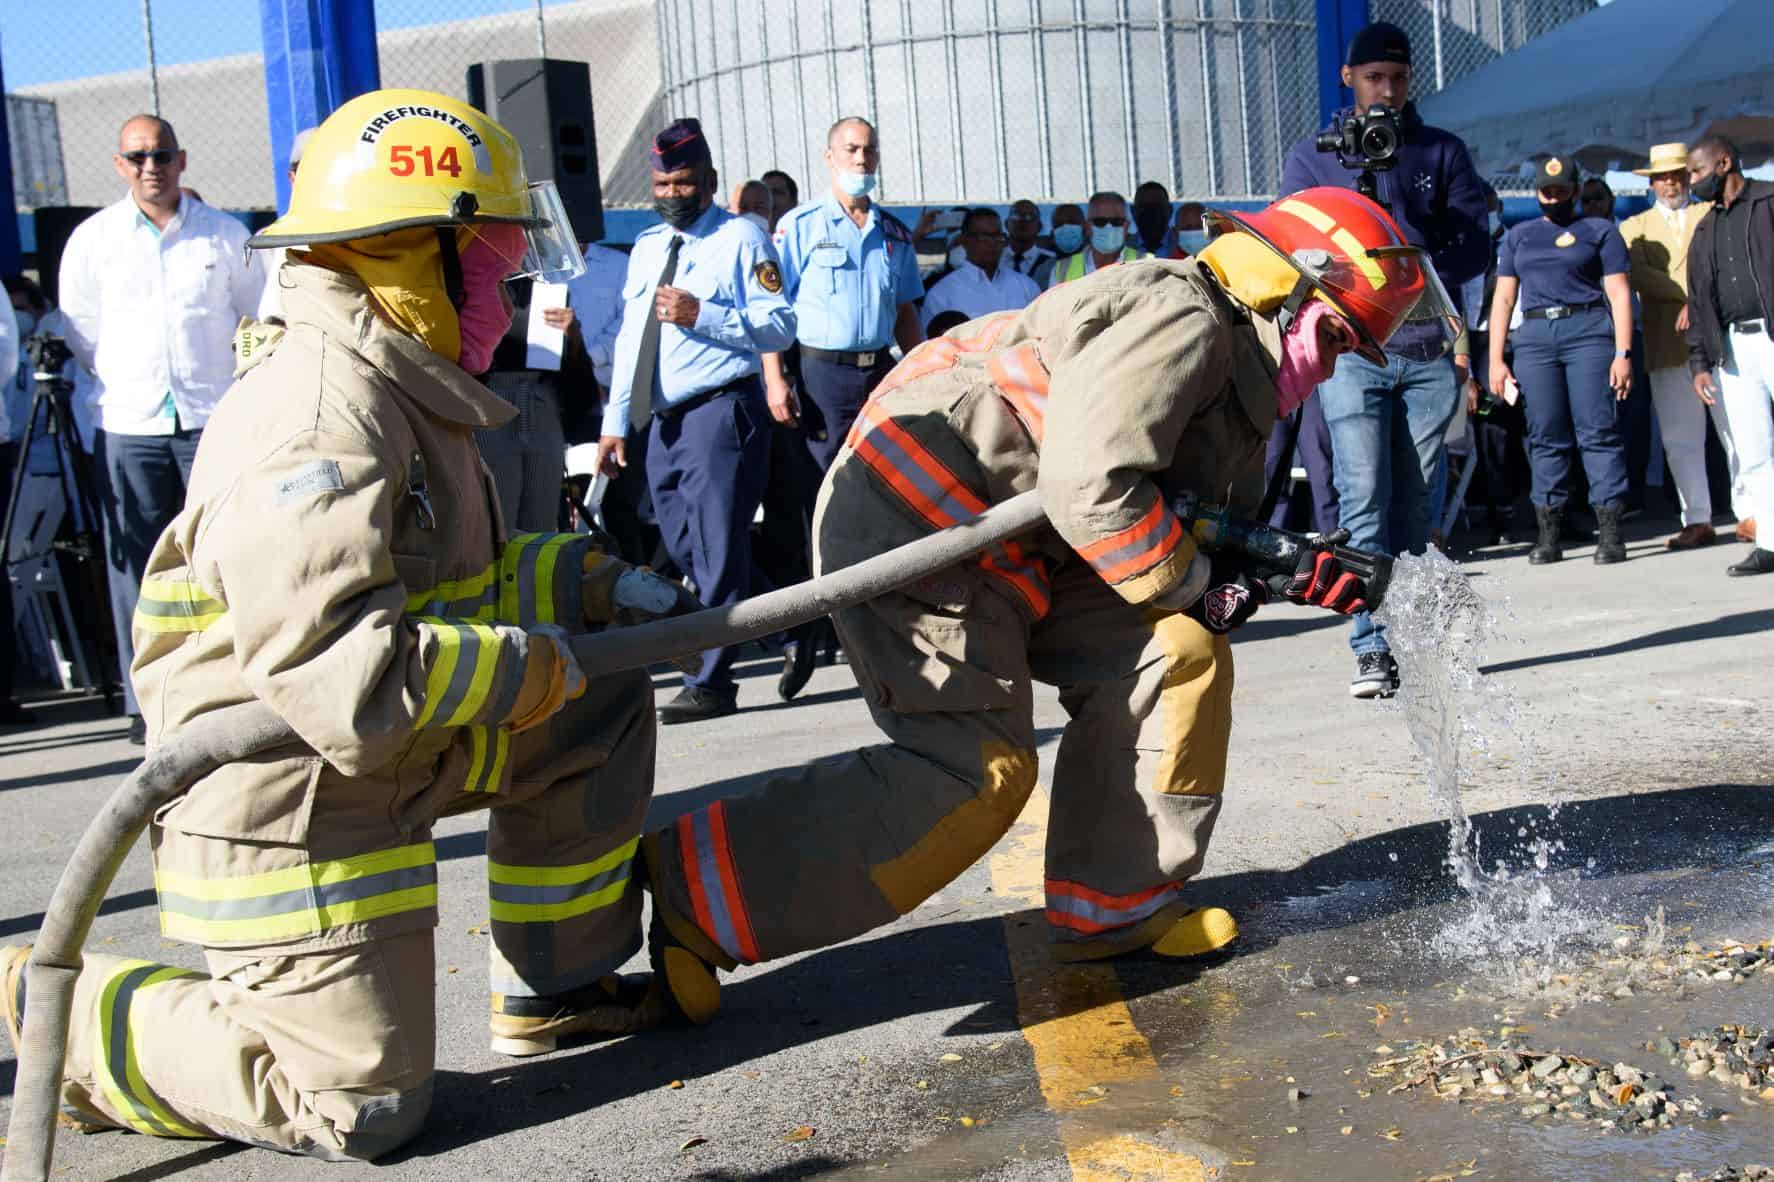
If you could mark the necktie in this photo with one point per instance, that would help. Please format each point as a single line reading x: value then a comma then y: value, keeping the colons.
x: 646, y: 362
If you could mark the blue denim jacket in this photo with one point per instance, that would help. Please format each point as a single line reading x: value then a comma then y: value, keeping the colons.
x: 1434, y: 194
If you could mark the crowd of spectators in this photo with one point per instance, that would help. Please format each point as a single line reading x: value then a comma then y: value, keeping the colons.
x: 719, y: 366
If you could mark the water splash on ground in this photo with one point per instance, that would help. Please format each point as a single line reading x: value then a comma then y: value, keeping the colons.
x: 1439, y: 626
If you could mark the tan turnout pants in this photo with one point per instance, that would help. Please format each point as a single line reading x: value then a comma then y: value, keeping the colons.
x: 330, y: 1053
x: 827, y: 851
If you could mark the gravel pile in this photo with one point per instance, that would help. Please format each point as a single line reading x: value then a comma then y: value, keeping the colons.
x: 1730, y: 1174
x: 1464, y: 1068
x: 1640, y: 964
x: 1736, y: 1056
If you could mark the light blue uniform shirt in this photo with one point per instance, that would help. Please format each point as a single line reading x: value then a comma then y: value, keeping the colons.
x: 847, y: 282
x: 728, y: 265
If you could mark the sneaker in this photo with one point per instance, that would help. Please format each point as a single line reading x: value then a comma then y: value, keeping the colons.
x: 610, y: 1007
x: 1376, y: 676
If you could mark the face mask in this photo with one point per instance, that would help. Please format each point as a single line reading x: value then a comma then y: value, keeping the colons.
x: 857, y: 184
x: 1708, y: 187
x: 1152, y: 224
x: 1496, y: 220
x: 493, y: 253
x: 678, y: 212
x: 1191, y: 241
x: 1560, y: 213
x: 758, y: 220
x: 1304, y: 363
x: 26, y: 321
x: 1068, y: 239
x: 1108, y: 239
x: 957, y: 255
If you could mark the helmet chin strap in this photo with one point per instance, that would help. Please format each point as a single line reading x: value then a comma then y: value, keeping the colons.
x: 1304, y: 289
x: 452, y: 266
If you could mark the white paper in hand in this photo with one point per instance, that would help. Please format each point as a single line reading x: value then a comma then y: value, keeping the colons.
x: 1511, y: 391
x: 546, y: 344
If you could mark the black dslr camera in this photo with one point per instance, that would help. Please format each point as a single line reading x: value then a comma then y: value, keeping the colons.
x: 49, y: 355
x: 1368, y: 142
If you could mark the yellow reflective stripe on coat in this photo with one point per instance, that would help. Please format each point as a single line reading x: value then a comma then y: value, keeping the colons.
x: 119, y: 1076
x: 474, y: 599
x: 544, y: 894
x: 176, y: 605
x: 489, y: 748
x: 526, y: 578
x: 461, y: 674
x: 299, y: 900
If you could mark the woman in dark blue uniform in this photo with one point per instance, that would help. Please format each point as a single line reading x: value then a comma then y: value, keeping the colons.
x: 1572, y: 354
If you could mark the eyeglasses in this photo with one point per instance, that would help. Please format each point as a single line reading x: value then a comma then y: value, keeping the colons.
x: 160, y: 156
x: 1108, y: 221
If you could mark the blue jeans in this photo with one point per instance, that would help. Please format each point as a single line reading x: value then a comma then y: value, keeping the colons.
x: 142, y: 484
x: 1562, y: 366
x: 1386, y: 425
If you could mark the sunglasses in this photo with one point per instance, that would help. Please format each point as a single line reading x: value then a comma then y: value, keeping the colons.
x: 160, y: 156
x: 1108, y: 221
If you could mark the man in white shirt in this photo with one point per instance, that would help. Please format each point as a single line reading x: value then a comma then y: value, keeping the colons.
x: 980, y: 284
x: 1025, y: 252
x: 152, y: 288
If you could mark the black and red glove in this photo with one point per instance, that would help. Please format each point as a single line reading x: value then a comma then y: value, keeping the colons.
x: 1231, y: 598
x: 1320, y: 580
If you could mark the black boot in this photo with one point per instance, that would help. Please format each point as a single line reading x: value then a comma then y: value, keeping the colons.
x: 1608, y: 546
x: 1546, y: 548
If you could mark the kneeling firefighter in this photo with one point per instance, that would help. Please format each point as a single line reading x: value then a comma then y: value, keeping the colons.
x: 1110, y: 395
x: 341, y: 558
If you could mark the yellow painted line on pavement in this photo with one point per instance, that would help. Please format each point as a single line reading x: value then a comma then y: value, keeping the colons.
x: 1078, y: 1025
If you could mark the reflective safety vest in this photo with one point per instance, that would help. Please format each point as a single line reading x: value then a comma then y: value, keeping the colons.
x: 1076, y: 266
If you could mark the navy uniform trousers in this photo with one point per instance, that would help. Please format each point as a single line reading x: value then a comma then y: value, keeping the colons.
x: 832, y: 397
x: 1562, y: 366
x: 706, y: 468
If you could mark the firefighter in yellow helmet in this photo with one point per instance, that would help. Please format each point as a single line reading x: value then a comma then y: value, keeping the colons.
x: 341, y: 558
x: 1108, y: 396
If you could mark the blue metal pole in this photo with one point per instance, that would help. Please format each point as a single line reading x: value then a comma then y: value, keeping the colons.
x: 318, y: 54
x: 1338, y: 21
x: 11, y: 259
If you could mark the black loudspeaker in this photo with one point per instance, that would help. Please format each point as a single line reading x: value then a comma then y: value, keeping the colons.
x: 55, y: 225
x: 546, y: 104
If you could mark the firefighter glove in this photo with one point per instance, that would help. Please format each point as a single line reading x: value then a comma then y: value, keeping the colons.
x: 1320, y: 581
x: 552, y: 677
x: 1232, y: 596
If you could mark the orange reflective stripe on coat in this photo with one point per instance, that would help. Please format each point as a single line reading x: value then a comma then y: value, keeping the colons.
x: 940, y: 498
x: 1022, y: 380
x: 1136, y: 549
x: 940, y: 353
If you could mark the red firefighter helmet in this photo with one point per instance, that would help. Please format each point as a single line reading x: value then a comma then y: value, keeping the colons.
x: 1349, y: 251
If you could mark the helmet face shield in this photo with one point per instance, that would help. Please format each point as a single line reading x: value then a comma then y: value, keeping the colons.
x: 551, y: 253
x: 1434, y: 306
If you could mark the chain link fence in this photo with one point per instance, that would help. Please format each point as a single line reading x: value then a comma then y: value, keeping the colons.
x: 976, y: 100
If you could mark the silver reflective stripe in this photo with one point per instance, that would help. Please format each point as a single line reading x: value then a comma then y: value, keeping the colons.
x: 903, y: 464
x: 461, y: 677
x: 505, y: 892
x: 310, y: 898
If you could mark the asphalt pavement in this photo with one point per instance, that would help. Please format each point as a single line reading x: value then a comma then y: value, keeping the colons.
x: 946, y: 1045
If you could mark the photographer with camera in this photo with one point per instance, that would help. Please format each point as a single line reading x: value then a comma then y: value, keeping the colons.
x: 1386, y: 421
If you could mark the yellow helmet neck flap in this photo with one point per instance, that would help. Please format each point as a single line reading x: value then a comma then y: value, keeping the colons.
x: 405, y: 274
x: 1250, y: 272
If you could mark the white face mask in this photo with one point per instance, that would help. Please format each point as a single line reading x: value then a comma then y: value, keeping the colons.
x: 757, y: 219
x: 957, y: 255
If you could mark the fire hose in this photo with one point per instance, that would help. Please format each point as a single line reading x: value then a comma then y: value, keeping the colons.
x: 236, y: 732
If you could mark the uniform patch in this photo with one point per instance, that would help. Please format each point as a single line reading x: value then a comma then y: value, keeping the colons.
x: 1565, y: 239
x: 310, y: 480
x: 768, y: 277
x: 1554, y: 166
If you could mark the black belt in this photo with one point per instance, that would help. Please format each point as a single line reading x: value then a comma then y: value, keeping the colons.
x: 1560, y: 311
x: 867, y: 359
x: 1747, y: 326
x: 677, y: 410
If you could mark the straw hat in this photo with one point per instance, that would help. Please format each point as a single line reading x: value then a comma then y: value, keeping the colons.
x: 1666, y: 158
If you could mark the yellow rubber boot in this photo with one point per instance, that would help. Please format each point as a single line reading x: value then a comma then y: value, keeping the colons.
x: 1201, y: 932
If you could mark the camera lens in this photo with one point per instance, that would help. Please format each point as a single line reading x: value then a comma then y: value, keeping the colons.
x: 1379, y: 141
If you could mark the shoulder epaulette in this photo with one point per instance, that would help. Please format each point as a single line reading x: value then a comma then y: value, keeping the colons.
x: 895, y: 229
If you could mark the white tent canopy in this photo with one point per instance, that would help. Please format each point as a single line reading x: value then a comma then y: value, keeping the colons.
x: 1606, y: 86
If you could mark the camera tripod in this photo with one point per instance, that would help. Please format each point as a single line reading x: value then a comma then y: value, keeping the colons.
x: 52, y: 417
